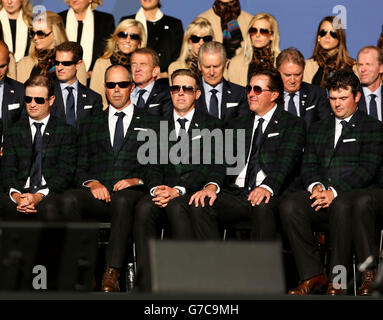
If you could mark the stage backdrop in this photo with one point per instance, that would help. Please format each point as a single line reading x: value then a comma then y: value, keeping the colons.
x: 298, y: 19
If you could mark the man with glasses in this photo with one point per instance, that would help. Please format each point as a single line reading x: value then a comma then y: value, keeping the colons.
x: 74, y: 101
x: 172, y: 183
x: 302, y: 99
x: 39, y: 159
x: 108, y: 171
x: 220, y: 98
x: 149, y: 93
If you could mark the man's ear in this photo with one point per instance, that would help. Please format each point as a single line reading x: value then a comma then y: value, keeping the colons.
x: 51, y: 100
x: 78, y: 64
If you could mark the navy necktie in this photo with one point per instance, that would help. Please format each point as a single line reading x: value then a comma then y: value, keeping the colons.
x: 291, y: 106
x: 118, y: 132
x: 36, y: 167
x: 213, y: 106
x: 70, y: 111
x: 373, y: 107
x: 253, y: 165
x: 141, y: 102
x: 182, y: 123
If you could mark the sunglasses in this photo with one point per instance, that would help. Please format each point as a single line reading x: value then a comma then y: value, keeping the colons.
x: 121, y: 84
x: 125, y: 35
x: 257, y: 89
x: 40, y: 34
x: 38, y: 100
x: 64, y: 63
x: 323, y: 33
x: 262, y: 31
x: 196, y: 39
x: 186, y: 89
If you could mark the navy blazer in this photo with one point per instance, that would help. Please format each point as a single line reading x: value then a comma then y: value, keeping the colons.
x: 159, y: 102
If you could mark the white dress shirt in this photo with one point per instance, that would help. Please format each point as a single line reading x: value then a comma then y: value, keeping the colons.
x: 65, y: 94
x: 207, y: 87
x: 378, y: 99
x: 135, y: 93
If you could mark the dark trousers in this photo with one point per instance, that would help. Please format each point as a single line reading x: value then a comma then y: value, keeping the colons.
x: 47, y: 210
x: 299, y: 220
x: 367, y: 215
x: 80, y: 204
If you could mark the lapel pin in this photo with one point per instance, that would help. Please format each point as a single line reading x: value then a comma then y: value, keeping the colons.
x: 47, y: 133
x: 276, y: 121
x: 84, y: 95
x: 353, y: 125
x: 196, y: 124
x: 228, y: 91
x: 137, y: 117
x: 305, y: 95
x: 12, y: 91
x: 166, y: 27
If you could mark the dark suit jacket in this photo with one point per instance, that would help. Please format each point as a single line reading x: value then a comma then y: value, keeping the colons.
x: 353, y: 163
x: 280, y: 151
x: 13, y: 106
x: 165, y: 38
x: 192, y: 175
x: 234, y: 101
x: 88, y: 103
x: 159, y: 102
x: 362, y: 105
x: 96, y: 160
x: 103, y: 28
x: 59, y: 155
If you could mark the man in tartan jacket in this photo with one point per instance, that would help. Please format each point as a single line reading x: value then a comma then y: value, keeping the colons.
x: 171, y: 184
x: 39, y: 159
x: 273, y: 146
x: 108, y: 172
x: 343, y: 153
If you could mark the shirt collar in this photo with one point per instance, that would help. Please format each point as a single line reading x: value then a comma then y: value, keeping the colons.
x: 44, y: 121
x: 268, y: 115
x: 377, y: 92
x: 148, y: 88
x: 208, y: 87
x: 63, y: 85
x: 188, y: 116
x: 338, y: 120
x: 128, y: 110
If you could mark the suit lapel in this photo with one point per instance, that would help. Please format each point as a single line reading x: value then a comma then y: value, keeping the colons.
x: 303, y: 94
x: 81, y: 98
x: 226, y: 93
x: 59, y: 110
x: 362, y: 106
x: 8, y: 94
x: 201, y: 103
x: 48, y: 132
x: 152, y: 95
x: 104, y: 130
x: 273, y: 125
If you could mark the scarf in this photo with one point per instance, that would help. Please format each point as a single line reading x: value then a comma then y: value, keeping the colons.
x: 87, y: 36
x: 327, y: 64
x: 21, y: 37
x: 46, y: 59
x: 119, y: 57
x: 192, y: 64
x: 140, y: 16
x: 229, y: 13
x: 262, y: 59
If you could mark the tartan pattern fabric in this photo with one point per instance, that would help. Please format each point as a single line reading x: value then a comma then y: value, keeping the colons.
x: 355, y: 160
x: 58, y: 156
x: 280, y: 152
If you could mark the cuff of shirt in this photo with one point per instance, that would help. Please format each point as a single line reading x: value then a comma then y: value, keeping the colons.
x: 87, y: 181
x: 334, y: 191
x: 216, y: 184
x: 12, y: 191
x: 311, y: 186
x: 152, y: 190
x: 44, y: 192
x: 267, y: 188
x: 182, y: 190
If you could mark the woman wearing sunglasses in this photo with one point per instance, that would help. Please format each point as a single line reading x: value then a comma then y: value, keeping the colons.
x: 261, y: 49
x: 16, y: 18
x: 128, y: 36
x: 88, y: 27
x: 197, y: 32
x: 46, y: 33
x: 330, y: 53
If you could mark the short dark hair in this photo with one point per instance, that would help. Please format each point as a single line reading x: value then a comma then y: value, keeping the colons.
x: 275, y: 82
x: 292, y: 55
x: 189, y: 73
x: 40, y: 80
x: 149, y: 51
x: 71, y: 46
x: 119, y: 65
x: 343, y: 79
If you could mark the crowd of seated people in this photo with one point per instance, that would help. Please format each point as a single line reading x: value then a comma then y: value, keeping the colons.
x: 78, y: 94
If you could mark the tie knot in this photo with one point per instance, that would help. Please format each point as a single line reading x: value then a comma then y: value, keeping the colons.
x: 260, y: 121
x: 182, y: 122
x: 38, y: 125
x: 292, y: 95
x: 141, y: 92
x: 120, y: 115
x: 214, y: 91
x: 69, y: 88
x: 343, y: 123
x: 373, y: 96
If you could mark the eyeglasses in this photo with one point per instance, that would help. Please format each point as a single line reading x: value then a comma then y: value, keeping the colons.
x: 38, y: 100
x: 262, y: 31
x: 64, y: 63
x: 40, y: 34
x: 257, y: 89
x: 125, y: 35
x: 196, y: 39
x: 323, y: 33
x: 186, y: 89
x: 121, y: 84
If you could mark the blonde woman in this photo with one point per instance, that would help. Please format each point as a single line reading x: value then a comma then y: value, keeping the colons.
x: 128, y: 36
x: 261, y: 49
x: 196, y: 34
x: 89, y: 27
x: 16, y: 18
x: 46, y: 33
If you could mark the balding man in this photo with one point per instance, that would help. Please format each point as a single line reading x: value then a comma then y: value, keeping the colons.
x: 370, y: 69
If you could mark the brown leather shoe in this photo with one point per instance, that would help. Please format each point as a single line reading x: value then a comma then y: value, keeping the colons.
x: 110, y: 280
x: 310, y: 285
x: 331, y: 291
x: 368, y: 281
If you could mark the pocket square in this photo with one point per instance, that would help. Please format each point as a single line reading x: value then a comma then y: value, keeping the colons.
x: 153, y: 105
x: 197, y: 137
x: 348, y: 140
x: 13, y: 106
x: 311, y: 107
x: 88, y: 107
x: 270, y: 135
x: 231, y: 104
x: 142, y: 129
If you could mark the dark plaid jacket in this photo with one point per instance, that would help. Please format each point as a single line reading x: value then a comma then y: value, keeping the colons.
x: 96, y: 159
x: 194, y: 174
x: 280, y: 152
x: 159, y: 102
x: 353, y: 163
x: 58, y: 160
